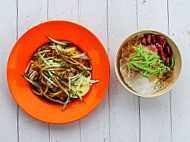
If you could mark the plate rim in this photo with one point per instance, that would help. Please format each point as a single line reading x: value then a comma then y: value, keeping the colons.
x: 14, y: 48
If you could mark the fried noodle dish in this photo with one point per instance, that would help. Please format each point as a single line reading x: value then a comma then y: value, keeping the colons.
x: 59, y: 72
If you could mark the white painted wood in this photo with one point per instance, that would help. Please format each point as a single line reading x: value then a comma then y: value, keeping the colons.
x: 64, y: 10
x: 8, y: 111
x: 155, y: 112
x: 152, y: 15
x: 31, y: 13
x: 117, y: 118
x: 124, y: 115
x: 180, y: 98
x: 93, y: 15
x: 65, y: 132
x: 7, y: 25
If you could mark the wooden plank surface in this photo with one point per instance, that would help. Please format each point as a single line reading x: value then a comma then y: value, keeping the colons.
x: 93, y: 15
x: 31, y: 13
x: 179, y: 22
x: 8, y: 111
x: 8, y: 107
x: 64, y: 10
x: 124, y: 109
x: 154, y: 112
x: 121, y: 116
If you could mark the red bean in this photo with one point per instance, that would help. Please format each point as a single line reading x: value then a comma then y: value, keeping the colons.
x: 161, y: 39
x: 153, y: 38
x: 148, y: 39
x: 168, y: 50
x: 163, y: 43
x: 163, y: 56
x: 168, y: 61
x: 143, y: 40
x: 159, y: 47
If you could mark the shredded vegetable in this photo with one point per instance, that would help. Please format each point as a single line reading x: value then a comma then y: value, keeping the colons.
x: 149, y: 64
x: 59, y: 72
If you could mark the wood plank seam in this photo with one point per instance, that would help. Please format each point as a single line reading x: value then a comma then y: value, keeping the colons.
x: 139, y: 113
x: 78, y: 3
x: 107, y: 36
x: 139, y: 101
x: 17, y: 39
x: 49, y: 133
x: 170, y: 93
x: 80, y: 130
x: 47, y: 10
x: 171, y: 127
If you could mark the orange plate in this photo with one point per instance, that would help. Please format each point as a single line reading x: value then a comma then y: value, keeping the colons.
x: 25, y: 48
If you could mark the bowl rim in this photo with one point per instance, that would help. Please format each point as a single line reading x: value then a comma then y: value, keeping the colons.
x: 118, y: 74
x: 14, y: 48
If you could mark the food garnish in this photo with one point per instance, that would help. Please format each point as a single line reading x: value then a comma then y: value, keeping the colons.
x: 59, y: 72
x: 149, y: 64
